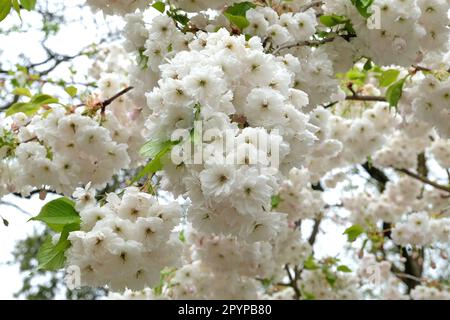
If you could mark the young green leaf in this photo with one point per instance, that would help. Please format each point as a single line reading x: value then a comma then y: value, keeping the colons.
x: 363, y: 7
x: 156, y: 151
x: 236, y: 14
x: 43, y: 99
x: 395, y: 92
x: 58, y: 213
x: 160, y: 6
x: 310, y: 264
x: 388, y: 77
x: 354, y: 232
x: 28, y: 4
x: 332, y: 20
x: 5, y: 8
x: 275, y: 201
x: 71, y: 91
x: 22, y: 92
x: 151, y: 148
x: 25, y: 107
x: 343, y: 268
x: 51, y: 256
x: 241, y: 8
x: 16, y: 6
x: 181, y: 236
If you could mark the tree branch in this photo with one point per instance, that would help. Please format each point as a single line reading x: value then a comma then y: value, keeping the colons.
x: 310, y: 5
x: 310, y: 43
x: 314, y: 232
x: 424, y: 180
x: 357, y: 97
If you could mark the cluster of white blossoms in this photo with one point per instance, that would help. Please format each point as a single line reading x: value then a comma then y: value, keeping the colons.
x: 283, y: 29
x: 419, y: 229
x: 399, y: 32
x: 374, y: 271
x: 256, y: 127
x: 440, y: 149
x: 422, y: 292
x: 119, y: 7
x: 63, y: 150
x: 122, y: 116
x: 228, y: 83
x: 431, y: 103
x: 125, y: 243
x: 315, y: 284
x: 404, y: 146
x: 346, y: 140
x: 397, y: 199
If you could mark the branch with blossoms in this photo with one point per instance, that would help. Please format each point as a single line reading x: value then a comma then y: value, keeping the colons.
x: 425, y: 180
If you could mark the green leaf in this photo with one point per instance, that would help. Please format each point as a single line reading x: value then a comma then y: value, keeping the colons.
x: 236, y: 14
x: 51, y: 257
x: 181, y: 18
x: 368, y: 65
x: 238, y: 21
x: 25, y: 107
x: 142, y: 59
x: 394, y: 92
x: 5, y: 8
x: 160, y: 6
x: 310, y: 264
x: 58, y: 213
x: 72, y: 91
x: 332, y: 20
x: 155, y: 164
x: 308, y: 295
x: 343, y: 268
x: 330, y: 277
x: 22, y: 92
x: 28, y: 4
x: 354, y: 232
x: 181, y: 236
x: 388, y: 77
x: 355, y: 74
x: 363, y: 7
x: 275, y: 201
x: 151, y: 148
x: 240, y: 9
x: 43, y: 99
x: 16, y: 6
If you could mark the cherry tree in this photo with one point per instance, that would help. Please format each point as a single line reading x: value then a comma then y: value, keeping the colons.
x: 237, y: 131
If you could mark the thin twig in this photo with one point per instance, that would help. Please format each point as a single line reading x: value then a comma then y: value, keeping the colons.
x: 105, y: 103
x: 15, y: 206
x: 310, y: 5
x: 365, y: 98
x: 424, y: 180
x: 293, y: 281
x: 315, y: 231
x: 302, y: 44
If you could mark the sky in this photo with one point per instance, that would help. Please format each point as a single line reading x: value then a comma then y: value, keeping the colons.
x: 19, y: 227
x: 69, y: 41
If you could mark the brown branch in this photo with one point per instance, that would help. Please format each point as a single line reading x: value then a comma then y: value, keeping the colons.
x: 311, y: 43
x: 315, y: 231
x: 293, y: 281
x: 310, y: 5
x: 365, y: 98
x: 425, y: 180
x: 107, y: 102
x: 15, y: 206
